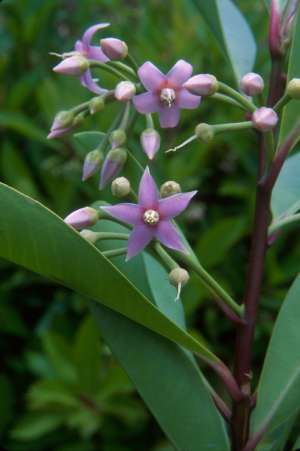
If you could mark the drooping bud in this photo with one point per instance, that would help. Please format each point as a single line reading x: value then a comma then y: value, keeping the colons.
x: 114, y: 48
x: 293, y: 88
x: 120, y: 187
x: 252, y: 84
x: 202, y: 85
x: 205, y: 132
x: 179, y: 277
x: 62, y: 124
x: 90, y: 236
x: 84, y: 217
x: 117, y: 138
x: 124, y: 91
x: 92, y: 163
x: 169, y: 188
x: 96, y: 104
x: 75, y: 65
x: 150, y: 142
x: 113, y: 164
x: 264, y: 119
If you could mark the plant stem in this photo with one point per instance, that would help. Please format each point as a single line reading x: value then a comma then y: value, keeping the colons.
x: 111, y: 236
x: 281, y: 103
x: 115, y: 252
x: 107, y: 68
x: 234, y: 126
x: 242, y: 100
x: 277, y: 82
x: 225, y: 99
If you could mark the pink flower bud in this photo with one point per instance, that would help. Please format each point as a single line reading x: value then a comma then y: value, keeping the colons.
x: 264, y: 119
x: 91, y: 164
x: 150, y: 141
x: 114, y: 48
x: 84, y: 217
x: 75, y: 65
x: 113, y: 164
x: 124, y: 91
x: 62, y: 124
x: 252, y: 84
x: 202, y: 85
x: 117, y: 138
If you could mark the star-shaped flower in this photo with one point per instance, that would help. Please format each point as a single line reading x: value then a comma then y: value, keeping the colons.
x: 165, y: 93
x: 151, y: 217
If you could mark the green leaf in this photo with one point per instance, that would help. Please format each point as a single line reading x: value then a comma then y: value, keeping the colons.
x: 286, y: 192
x: 296, y: 446
x: 34, y: 237
x: 232, y: 33
x: 291, y: 112
x: 89, y: 140
x: 279, y: 387
x: 7, y: 401
x: 60, y: 357
x: 33, y: 426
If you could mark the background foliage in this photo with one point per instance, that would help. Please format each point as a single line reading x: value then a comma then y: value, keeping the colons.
x: 47, y: 399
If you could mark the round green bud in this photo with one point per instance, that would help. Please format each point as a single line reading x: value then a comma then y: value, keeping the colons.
x: 78, y: 120
x: 96, y: 104
x: 179, y: 276
x: 64, y: 119
x: 89, y: 235
x: 293, y: 88
x: 117, y: 137
x: 118, y: 155
x: 120, y: 187
x: 204, y: 132
x: 169, y: 188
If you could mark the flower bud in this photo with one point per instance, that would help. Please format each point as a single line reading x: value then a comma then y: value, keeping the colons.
x: 179, y: 277
x: 204, y: 132
x: 84, y: 217
x: 275, y: 38
x: 293, y: 88
x: 79, y: 118
x: 75, y: 65
x: 90, y: 236
x: 96, y: 104
x: 202, y: 85
x: 114, y: 48
x: 252, y: 84
x: 264, y: 119
x: 124, y: 91
x: 92, y: 163
x: 120, y: 187
x: 117, y: 138
x: 150, y: 142
x: 62, y: 124
x: 169, y: 188
x: 113, y: 164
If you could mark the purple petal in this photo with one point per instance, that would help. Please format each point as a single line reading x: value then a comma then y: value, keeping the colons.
x: 110, y: 169
x: 148, y: 194
x: 88, y: 35
x: 87, y: 81
x: 187, y: 100
x: 169, y: 117
x: 81, y: 48
x: 172, y: 206
x: 56, y: 133
x: 146, y: 103
x: 129, y: 213
x: 138, y: 240
x: 96, y: 53
x: 151, y: 77
x: 168, y: 235
x: 180, y: 73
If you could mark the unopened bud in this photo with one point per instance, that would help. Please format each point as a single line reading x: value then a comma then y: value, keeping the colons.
x: 89, y: 235
x: 92, y: 163
x: 84, y: 217
x: 252, y: 84
x: 117, y: 138
x: 202, y: 85
x: 293, y: 88
x: 120, y: 187
x: 113, y: 164
x: 75, y: 65
x: 79, y: 118
x: 169, y: 188
x: 264, y: 119
x: 150, y: 142
x: 96, y: 104
x: 62, y: 124
x: 179, y: 277
x: 205, y: 132
x: 124, y: 91
x: 114, y: 48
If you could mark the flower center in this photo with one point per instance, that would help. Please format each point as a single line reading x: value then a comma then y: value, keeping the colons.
x: 151, y: 217
x: 168, y: 96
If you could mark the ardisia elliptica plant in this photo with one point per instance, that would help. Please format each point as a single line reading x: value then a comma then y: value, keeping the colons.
x: 144, y: 325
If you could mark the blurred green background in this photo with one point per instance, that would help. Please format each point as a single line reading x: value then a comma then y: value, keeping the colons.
x: 45, y: 330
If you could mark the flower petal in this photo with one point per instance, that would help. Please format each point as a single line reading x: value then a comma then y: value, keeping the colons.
x: 151, y: 77
x: 172, y: 206
x: 87, y: 81
x: 96, y: 53
x: 129, y: 213
x: 187, y: 100
x: 180, y: 72
x: 148, y: 194
x: 146, y: 103
x: 169, y: 117
x: 138, y: 240
x: 88, y: 35
x: 169, y: 236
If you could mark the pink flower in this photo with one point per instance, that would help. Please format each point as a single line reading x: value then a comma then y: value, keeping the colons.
x: 165, y: 93
x: 152, y: 217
